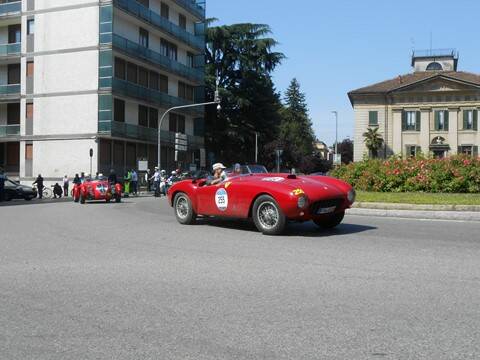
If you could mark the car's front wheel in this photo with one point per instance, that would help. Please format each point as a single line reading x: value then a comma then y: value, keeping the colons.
x: 330, y: 221
x: 82, y: 199
x: 268, y: 216
x: 183, y: 209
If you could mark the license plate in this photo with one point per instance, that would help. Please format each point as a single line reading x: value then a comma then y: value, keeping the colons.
x: 326, y: 210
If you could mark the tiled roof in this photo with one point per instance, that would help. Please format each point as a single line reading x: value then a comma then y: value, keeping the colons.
x: 409, y: 79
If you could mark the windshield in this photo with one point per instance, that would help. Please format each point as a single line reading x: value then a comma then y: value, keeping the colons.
x: 257, y: 169
x: 9, y: 182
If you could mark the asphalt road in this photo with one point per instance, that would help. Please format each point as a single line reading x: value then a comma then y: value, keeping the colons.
x: 125, y: 281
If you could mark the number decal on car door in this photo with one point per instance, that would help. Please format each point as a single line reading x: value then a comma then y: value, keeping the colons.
x: 221, y: 199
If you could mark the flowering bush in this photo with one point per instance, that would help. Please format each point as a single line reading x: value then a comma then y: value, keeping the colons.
x: 455, y: 174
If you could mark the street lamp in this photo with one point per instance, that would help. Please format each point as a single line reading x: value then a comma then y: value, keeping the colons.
x: 336, y: 135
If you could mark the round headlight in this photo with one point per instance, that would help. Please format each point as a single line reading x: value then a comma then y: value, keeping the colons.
x: 302, y: 202
x: 351, y: 196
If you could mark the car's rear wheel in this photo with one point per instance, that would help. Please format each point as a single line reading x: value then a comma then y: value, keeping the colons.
x: 268, y: 216
x: 184, y: 209
x: 329, y: 222
x: 28, y: 198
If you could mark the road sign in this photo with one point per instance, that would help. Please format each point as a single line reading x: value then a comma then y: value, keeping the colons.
x: 142, y: 165
x: 181, y: 142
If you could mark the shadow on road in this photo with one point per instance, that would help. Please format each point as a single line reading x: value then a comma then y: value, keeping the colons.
x: 18, y: 202
x: 307, y: 229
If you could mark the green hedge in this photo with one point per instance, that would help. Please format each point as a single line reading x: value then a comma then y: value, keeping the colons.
x: 455, y: 174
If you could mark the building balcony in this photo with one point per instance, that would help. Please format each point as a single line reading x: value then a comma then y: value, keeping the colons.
x: 9, y: 130
x: 163, y: 100
x: 9, y: 91
x: 7, y: 50
x: 136, y: 9
x: 10, y: 9
x: 138, y: 51
x: 136, y: 132
x: 194, y: 7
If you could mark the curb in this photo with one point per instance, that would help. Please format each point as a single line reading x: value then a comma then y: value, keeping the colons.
x: 417, y: 214
x: 415, y: 207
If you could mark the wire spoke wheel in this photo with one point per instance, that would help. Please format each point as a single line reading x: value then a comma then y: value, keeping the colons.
x: 182, y: 207
x: 268, y: 215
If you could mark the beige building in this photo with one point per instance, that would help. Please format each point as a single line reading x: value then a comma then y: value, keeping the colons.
x: 433, y: 110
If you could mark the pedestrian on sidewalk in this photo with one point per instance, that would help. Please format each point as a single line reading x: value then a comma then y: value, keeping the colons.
x: 134, y: 176
x: 127, y: 178
x: 39, y: 183
x: 57, y: 191
x: 156, y: 181
x: 66, y: 183
x: 147, y: 180
x: 2, y: 184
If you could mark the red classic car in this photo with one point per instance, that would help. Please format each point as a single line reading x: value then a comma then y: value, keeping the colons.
x: 97, y: 190
x: 269, y: 199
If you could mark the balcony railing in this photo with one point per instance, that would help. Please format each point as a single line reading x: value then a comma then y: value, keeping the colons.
x: 131, y: 131
x: 11, y: 89
x: 136, y: 50
x: 193, y: 7
x: 9, y: 130
x: 12, y: 8
x: 10, y: 49
x: 140, y: 11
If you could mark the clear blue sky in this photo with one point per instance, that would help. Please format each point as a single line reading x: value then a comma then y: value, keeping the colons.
x: 333, y: 47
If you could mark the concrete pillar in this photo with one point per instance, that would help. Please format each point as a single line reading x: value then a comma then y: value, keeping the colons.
x: 425, y: 130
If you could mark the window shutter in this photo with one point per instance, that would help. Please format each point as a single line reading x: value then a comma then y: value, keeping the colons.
x: 437, y: 120
x: 446, y: 120
x: 475, y: 120
x: 404, y: 121
x: 418, y: 150
x: 475, y: 150
x: 465, y: 119
x: 418, y: 119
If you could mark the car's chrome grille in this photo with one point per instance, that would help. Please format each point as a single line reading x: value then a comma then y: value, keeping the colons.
x: 322, y: 204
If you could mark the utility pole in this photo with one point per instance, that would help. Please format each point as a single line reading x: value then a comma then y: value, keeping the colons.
x: 256, y: 147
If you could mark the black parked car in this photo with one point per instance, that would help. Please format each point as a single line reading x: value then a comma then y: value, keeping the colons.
x: 15, y: 190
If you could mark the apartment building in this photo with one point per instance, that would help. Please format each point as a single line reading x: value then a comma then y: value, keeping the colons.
x: 82, y: 75
x: 433, y: 110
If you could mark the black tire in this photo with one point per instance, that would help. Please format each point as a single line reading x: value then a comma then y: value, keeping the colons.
x: 76, y: 199
x: 268, y: 216
x: 183, y: 209
x: 118, y: 198
x: 107, y: 200
x: 329, y: 222
x: 82, y: 199
x: 28, y: 198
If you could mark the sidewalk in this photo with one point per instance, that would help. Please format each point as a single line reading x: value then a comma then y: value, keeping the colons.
x: 423, y: 212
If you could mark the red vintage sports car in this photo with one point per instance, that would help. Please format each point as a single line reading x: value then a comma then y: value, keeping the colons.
x: 269, y: 199
x: 97, y: 190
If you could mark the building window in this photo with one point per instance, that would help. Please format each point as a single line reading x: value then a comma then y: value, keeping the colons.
x: 470, y: 119
x: 172, y: 123
x: 413, y: 150
x: 185, y: 91
x: 14, y: 33
x: 13, y: 113
x: 181, y: 124
x: 28, y: 151
x: 29, y: 111
x: 143, y: 37
x: 164, y: 84
x: 165, y: 11
x: 30, y: 26
x: 154, y: 82
x: 30, y: 67
x: 434, y: 66
x: 182, y: 21
x: 168, y: 49
x: 119, y: 110
x: 143, y: 77
x: 177, y: 123
x: 153, y: 118
x: 142, y: 115
x: 441, y: 120
x: 120, y: 68
x: 471, y: 150
x: 132, y: 73
x: 373, y: 118
x: 13, y: 74
x: 190, y: 59
x: 411, y: 120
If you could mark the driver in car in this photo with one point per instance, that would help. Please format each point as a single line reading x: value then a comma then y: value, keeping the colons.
x: 219, y: 174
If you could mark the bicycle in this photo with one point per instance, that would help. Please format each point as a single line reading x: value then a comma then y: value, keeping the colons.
x: 46, y: 192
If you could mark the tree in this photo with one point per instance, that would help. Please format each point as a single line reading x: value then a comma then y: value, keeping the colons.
x: 373, y: 141
x: 345, y: 148
x: 242, y: 57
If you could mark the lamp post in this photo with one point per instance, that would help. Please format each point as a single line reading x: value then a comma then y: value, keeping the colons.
x: 217, y: 102
x: 256, y: 147
x: 336, y: 135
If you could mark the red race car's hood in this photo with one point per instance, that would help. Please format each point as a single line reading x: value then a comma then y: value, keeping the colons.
x: 313, y: 186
